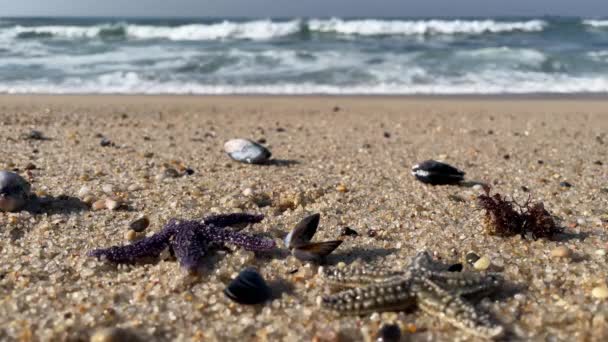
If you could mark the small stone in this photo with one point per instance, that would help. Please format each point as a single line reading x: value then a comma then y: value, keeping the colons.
x: 140, y: 224
x: 170, y: 173
x: 347, y: 231
x: 565, y: 184
x: 561, y: 252
x: 148, y: 154
x: 600, y: 252
x: 113, y: 335
x: 471, y: 258
x: 598, y: 162
x: 99, y: 205
x: 342, y: 188
x: 84, y: 191
x: 130, y: 235
x: 600, y: 292
x: 482, y: 263
x: 107, y: 188
x: 106, y: 142
x: 387, y: 135
x: 188, y: 171
x: 112, y: 204
x: 30, y: 166
x: 248, y: 192
x: 34, y: 135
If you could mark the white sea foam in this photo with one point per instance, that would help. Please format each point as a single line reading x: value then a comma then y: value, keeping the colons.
x: 596, y: 23
x: 470, y: 83
x: 371, y: 27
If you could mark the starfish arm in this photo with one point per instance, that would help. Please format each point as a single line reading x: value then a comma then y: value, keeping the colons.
x: 248, y: 241
x: 467, y: 283
x: 438, y: 302
x: 359, y: 276
x: 381, y: 297
x: 227, y: 220
x: 189, y: 247
x: 150, y: 246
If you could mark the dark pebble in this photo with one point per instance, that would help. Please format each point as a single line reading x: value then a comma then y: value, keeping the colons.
x: 471, y: 258
x: 540, y: 162
x: 490, y: 132
x: 34, y: 135
x: 105, y: 142
x: 347, y: 231
x: 525, y: 189
x: 189, y: 171
x: 248, y: 288
x: 387, y: 135
x: 372, y: 233
x: 262, y: 140
x: 30, y: 166
x: 171, y: 173
x: 598, y: 162
x: 146, y: 138
x: 140, y: 224
x: 389, y: 333
x: 565, y: 184
x: 506, y: 157
x: 280, y: 129
x: 336, y: 109
x: 455, y: 268
x: 367, y: 146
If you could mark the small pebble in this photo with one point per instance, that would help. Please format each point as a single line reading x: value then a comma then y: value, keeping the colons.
x: 106, y: 142
x: 347, y: 231
x: 188, y: 171
x: 341, y: 188
x: 565, y: 185
x: 112, y: 335
x: 482, y: 263
x: 107, y: 188
x: 471, y: 258
x: 34, y: 135
x: 170, y: 173
x: 140, y: 224
x: 84, y: 191
x: 387, y: 134
x: 248, y: 192
x: 600, y: 292
x: 99, y: 205
x: 130, y: 235
x: 600, y: 252
x: 112, y: 204
x: 561, y: 252
x: 598, y: 162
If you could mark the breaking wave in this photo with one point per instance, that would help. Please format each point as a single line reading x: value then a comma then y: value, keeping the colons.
x: 269, y: 29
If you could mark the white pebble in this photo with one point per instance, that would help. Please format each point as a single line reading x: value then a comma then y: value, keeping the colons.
x: 600, y: 252
x: 107, y: 188
x: 600, y: 292
x: 561, y: 252
x: 84, y: 191
x: 482, y: 263
x: 248, y: 192
x: 112, y: 204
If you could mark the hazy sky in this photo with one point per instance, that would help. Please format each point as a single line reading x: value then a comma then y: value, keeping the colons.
x: 302, y: 8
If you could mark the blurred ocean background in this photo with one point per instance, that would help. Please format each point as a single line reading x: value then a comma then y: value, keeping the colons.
x: 304, y: 56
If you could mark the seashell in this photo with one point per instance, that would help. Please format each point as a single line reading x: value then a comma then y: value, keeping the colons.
x: 298, y: 240
x: 246, y: 151
x: 303, y: 232
x: 437, y: 173
x: 14, y: 191
x: 389, y: 333
x: 248, y: 287
x: 315, y: 251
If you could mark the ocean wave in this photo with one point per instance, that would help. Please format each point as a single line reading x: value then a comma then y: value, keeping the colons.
x: 269, y: 29
x: 471, y: 83
x: 373, y: 27
x: 596, y: 23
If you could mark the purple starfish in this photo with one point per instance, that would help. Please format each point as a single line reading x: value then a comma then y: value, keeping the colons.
x: 189, y: 240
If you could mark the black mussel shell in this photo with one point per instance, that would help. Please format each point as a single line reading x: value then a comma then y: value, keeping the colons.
x: 248, y: 288
x: 303, y: 232
x: 389, y: 333
x: 437, y: 173
x: 315, y: 251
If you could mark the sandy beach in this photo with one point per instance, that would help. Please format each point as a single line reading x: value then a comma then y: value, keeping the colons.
x: 347, y: 158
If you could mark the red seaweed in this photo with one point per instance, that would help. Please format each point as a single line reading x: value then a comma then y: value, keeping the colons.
x: 505, y: 217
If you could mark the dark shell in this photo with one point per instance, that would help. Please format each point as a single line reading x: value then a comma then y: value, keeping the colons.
x: 140, y: 224
x: 303, y: 232
x: 389, y: 333
x: 455, y: 267
x: 315, y: 251
x: 437, y: 173
x: 348, y: 231
x: 248, y: 288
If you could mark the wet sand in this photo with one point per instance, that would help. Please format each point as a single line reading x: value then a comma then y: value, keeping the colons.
x: 347, y: 158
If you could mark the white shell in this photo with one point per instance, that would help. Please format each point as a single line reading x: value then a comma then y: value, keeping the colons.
x: 246, y: 151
